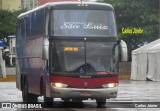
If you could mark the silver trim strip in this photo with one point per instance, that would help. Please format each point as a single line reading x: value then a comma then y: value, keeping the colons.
x: 91, y: 93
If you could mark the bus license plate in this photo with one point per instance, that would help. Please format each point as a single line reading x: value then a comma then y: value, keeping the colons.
x: 85, y: 94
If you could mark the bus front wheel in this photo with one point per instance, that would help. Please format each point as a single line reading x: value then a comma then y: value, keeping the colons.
x: 100, y: 102
x: 28, y: 97
x: 48, y: 101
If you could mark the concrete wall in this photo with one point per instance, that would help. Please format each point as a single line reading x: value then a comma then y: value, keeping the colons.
x: 10, y: 4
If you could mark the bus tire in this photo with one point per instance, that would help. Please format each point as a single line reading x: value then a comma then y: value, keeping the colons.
x: 101, y: 102
x: 28, y: 97
x: 41, y: 87
x: 48, y: 101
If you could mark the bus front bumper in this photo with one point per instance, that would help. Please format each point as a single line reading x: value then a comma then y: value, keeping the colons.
x: 84, y: 93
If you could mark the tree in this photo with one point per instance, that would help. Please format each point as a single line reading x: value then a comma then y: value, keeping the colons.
x: 142, y: 14
x: 8, y: 22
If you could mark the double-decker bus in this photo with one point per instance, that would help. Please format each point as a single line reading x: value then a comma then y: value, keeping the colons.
x: 68, y: 50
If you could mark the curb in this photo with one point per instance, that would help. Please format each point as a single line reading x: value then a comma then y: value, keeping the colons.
x: 8, y: 79
x: 124, y: 76
x: 13, y: 78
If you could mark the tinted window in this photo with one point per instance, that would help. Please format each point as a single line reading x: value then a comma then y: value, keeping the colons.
x: 67, y: 56
x: 84, y: 58
x: 83, y: 23
x: 22, y: 29
x: 35, y: 23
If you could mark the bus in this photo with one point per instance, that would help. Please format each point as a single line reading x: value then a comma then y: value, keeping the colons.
x: 68, y: 50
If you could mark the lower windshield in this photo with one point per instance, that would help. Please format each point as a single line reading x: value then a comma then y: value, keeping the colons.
x: 82, y: 58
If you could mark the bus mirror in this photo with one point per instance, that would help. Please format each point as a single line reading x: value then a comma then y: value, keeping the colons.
x: 45, y: 50
x: 124, y: 51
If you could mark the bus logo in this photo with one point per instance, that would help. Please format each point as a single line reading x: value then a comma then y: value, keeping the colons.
x: 85, y: 84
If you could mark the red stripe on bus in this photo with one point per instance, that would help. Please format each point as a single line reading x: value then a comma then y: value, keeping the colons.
x: 79, y: 82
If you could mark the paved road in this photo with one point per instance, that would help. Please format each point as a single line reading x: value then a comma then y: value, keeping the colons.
x: 131, y: 94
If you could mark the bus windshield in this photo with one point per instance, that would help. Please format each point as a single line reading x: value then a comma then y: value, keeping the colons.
x: 79, y: 57
x: 90, y: 23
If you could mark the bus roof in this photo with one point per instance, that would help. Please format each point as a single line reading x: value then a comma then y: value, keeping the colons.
x: 92, y: 5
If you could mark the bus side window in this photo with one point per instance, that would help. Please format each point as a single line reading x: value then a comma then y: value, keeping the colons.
x: 28, y: 26
x: 36, y: 23
x: 40, y: 22
x: 25, y: 23
x: 22, y: 28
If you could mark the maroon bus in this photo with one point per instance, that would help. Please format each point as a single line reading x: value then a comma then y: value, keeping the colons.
x: 68, y: 50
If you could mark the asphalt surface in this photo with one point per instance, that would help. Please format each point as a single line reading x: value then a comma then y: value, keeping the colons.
x: 132, y: 96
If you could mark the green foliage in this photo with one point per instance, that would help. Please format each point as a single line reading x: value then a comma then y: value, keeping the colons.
x: 142, y: 14
x: 8, y: 22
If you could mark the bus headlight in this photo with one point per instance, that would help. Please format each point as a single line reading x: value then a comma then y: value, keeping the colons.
x: 59, y: 85
x: 110, y: 85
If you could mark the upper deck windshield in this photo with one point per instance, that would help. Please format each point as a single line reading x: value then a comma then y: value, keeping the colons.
x: 90, y: 23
